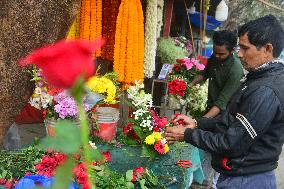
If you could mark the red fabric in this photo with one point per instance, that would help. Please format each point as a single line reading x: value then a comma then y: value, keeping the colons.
x: 30, y: 114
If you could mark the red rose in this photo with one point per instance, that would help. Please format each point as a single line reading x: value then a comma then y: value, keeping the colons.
x: 107, y: 156
x: 63, y: 62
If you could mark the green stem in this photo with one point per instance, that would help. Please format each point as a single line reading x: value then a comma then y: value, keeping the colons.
x: 85, y: 141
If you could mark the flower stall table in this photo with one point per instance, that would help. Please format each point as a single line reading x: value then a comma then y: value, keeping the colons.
x: 165, y: 166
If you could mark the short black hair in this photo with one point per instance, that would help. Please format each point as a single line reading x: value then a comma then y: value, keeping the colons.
x: 264, y: 30
x: 225, y: 37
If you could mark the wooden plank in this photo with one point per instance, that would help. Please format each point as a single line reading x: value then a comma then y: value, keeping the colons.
x: 168, y: 18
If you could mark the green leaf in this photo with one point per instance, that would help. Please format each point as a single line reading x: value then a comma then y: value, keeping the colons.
x: 142, y: 184
x: 138, y: 130
x: 129, y: 174
x: 148, y: 151
x: 151, y: 178
x: 96, y: 155
x: 130, y: 185
x: 63, y: 175
x: 67, y: 138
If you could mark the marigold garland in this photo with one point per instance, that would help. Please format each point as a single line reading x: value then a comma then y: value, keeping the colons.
x: 129, y: 68
x: 150, y: 38
x: 110, y: 12
x: 91, y: 20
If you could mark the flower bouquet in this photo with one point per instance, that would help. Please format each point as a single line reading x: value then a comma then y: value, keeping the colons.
x: 145, y: 127
x: 183, y: 72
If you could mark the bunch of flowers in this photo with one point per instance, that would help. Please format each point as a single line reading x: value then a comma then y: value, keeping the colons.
x: 49, y: 163
x: 183, y: 72
x: 103, y: 85
x: 41, y: 97
x: 197, y: 99
x: 183, y: 42
x: 145, y: 126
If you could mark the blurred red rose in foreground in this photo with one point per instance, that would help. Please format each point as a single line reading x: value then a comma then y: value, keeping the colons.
x: 63, y: 62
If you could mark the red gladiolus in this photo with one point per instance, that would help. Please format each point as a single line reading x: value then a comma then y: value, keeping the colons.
x: 63, y: 62
x: 136, y: 171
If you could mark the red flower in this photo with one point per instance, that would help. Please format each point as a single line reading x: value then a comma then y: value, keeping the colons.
x: 9, y: 185
x: 162, y: 122
x: 159, y: 147
x: 2, y: 181
x: 107, y: 156
x: 63, y: 62
x: 28, y: 173
x: 137, y: 171
x: 202, y: 60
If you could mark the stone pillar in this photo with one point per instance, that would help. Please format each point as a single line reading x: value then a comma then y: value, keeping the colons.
x: 24, y: 26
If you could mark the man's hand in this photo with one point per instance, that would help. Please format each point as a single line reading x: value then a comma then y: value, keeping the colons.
x: 188, y: 121
x: 175, y: 133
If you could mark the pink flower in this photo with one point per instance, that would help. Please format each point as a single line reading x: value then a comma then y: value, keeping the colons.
x: 159, y: 147
x: 199, y: 66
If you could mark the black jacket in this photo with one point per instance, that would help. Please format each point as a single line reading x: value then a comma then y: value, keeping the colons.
x: 248, y: 137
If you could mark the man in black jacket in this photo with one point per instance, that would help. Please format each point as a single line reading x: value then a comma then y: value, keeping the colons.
x: 246, y: 140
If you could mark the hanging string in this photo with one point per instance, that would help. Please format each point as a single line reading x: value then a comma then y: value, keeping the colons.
x: 200, y: 27
x: 190, y: 28
x: 206, y: 8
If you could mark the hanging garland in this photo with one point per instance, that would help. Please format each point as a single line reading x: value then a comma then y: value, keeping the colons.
x: 129, y: 55
x: 110, y: 12
x: 140, y: 66
x: 91, y: 20
x: 160, y: 13
x: 150, y: 38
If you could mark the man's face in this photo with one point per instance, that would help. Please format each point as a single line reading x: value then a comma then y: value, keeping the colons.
x: 221, y: 53
x: 250, y: 55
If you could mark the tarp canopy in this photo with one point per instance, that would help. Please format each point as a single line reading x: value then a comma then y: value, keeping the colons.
x: 211, y: 22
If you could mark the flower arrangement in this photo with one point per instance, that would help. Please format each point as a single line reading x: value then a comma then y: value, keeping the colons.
x: 183, y: 72
x: 59, y: 104
x: 145, y: 126
x: 183, y: 42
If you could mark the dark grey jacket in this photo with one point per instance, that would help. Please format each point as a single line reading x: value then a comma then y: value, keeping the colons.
x: 248, y: 137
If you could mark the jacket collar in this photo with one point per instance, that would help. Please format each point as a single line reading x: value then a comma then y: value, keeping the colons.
x: 270, y: 68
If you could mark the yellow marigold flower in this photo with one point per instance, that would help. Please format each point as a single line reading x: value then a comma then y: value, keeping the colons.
x: 103, y: 86
x: 166, y: 148
x: 150, y: 140
x: 157, y: 136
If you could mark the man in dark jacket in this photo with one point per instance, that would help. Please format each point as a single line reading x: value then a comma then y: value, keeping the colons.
x: 246, y: 140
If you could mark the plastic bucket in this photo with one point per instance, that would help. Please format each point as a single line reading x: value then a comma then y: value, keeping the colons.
x: 107, y: 131
x: 107, y: 123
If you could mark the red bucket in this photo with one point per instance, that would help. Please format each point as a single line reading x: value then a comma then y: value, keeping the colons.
x: 107, y: 131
